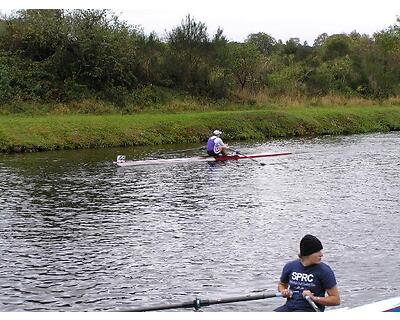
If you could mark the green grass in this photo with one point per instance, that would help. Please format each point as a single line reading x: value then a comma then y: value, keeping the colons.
x: 19, y: 133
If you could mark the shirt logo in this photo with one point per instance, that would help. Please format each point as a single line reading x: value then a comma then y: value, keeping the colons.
x: 303, y: 277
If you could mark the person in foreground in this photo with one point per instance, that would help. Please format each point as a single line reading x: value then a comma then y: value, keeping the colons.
x: 215, y: 145
x: 308, y: 276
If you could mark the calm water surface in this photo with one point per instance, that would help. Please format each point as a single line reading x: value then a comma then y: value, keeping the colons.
x: 79, y: 234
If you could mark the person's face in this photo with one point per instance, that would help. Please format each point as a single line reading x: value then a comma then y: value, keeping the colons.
x: 316, y: 257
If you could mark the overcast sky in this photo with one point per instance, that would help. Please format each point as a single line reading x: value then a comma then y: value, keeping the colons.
x: 282, y: 19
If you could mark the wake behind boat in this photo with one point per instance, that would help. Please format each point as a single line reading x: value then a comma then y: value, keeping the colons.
x: 122, y: 162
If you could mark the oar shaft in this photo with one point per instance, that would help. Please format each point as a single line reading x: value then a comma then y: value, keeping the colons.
x: 249, y: 297
x: 198, y: 303
x: 312, y: 303
x: 188, y: 304
x: 260, y: 163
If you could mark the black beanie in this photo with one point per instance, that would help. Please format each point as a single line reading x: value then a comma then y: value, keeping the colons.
x: 309, y: 245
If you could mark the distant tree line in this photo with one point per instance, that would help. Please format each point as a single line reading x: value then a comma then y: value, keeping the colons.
x: 68, y: 55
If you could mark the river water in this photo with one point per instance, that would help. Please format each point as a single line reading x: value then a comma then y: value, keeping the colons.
x: 79, y: 234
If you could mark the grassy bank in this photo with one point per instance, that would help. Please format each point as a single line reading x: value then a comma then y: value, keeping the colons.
x: 19, y: 133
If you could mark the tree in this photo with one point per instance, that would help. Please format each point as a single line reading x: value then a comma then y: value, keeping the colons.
x: 262, y: 41
x: 386, y: 79
x: 187, y: 57
x: 319, y: 41
x: 63, y: 54
x: 37, y: 34
x: 245, y: 63
x: 336, y: 46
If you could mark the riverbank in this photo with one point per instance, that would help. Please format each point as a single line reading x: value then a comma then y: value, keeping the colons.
x: 21, y: 133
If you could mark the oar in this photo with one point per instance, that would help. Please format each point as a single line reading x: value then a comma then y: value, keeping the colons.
x: 260, y: 163
x: 198, y: 303
x: 312, y: 303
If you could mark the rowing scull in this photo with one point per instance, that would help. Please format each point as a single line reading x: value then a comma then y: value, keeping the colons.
x: 387, y: 305
x: 125, y: 163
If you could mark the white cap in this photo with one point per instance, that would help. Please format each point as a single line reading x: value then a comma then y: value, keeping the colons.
x: 217, y: 133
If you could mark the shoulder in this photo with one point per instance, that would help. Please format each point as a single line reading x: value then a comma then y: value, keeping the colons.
x: 327, y: 275
x: 324, y: 267
x: 294, y: 264
x: 325, y: 271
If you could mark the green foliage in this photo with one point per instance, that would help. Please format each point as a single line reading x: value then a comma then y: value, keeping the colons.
x: 195, y: 63
x: 288, y: 79
x: 245, y: 63
x: 187, y: 54
x: 6, y: 77
x: 64, y: 56
x: 336, y: 46
x: 332, y: 77
x: 149, y: 96
x: 72, y: 54
x: 264, y: 43
x: 386, y: 80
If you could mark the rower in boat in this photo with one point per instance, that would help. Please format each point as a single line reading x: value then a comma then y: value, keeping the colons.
x: 308, y: 278
x: 215, y: 146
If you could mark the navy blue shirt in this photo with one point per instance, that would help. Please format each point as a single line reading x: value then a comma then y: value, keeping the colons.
x: 317, y: 278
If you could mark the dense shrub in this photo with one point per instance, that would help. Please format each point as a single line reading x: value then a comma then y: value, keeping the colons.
x: 62, y: 56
